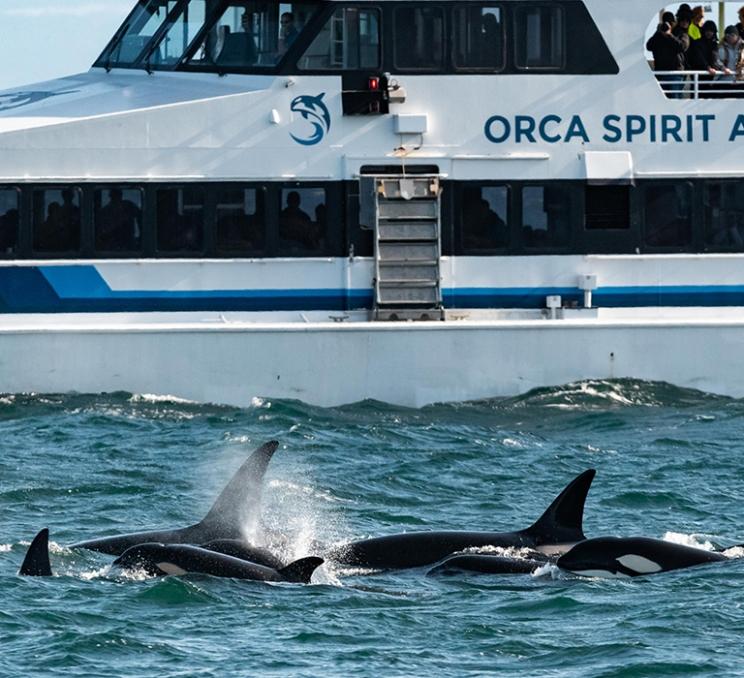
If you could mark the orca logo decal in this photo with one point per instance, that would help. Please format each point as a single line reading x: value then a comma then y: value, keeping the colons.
x: 316, y: 113
x: 17, y: 99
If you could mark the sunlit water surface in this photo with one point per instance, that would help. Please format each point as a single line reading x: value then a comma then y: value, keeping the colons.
x: 669, y: 465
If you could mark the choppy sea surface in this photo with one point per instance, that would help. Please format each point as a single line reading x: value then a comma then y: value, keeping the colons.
x: 669, y: 465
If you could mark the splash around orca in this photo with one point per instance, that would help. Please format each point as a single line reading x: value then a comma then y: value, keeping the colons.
x: 238, y: 503
x: 557, y: 530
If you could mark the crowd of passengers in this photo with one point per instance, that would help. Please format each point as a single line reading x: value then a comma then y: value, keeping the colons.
x: 687, y: 42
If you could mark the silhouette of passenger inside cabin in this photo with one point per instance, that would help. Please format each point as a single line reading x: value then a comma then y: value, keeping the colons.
x: 491, y: 50
x: 9, y: 231
x: 239, y: 49
x: 118, y: 224
x: 287, y: 32
x: 295, y: 225
x: 484, y: 228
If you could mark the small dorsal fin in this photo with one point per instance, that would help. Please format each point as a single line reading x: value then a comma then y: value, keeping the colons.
x: 563, y: 521
x: 241, y: 498
x: 36, y: 562
x: 301, y: 570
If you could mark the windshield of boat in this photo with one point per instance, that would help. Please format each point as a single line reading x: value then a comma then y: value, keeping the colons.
x: 207, y: 33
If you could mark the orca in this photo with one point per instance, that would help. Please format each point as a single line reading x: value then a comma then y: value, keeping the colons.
x: 488, y: 564
x: 240, y: 500
x: 237, y: 548
x: 181, y: 559
x: 612, y: 557
x: 36, y: 563
x: 559, y: 528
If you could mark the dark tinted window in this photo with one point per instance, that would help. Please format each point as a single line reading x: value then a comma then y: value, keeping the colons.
x: 484, y: 218
x: 546, y: 216
x: 56, y: 219
x: 117, y: 219
x: 302, y: 221
x: 240, y: 220
x: 419, y: 38
x: 479, y: 37
x: 724, y: 214
x: 349, y: 40
x: 607, y: 208
x: 9, y: 220
x: 667, y: 213
x: 540, y: 39
x: 180, y: 219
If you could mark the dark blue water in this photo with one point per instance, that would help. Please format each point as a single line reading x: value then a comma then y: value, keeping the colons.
x: 669, y: 465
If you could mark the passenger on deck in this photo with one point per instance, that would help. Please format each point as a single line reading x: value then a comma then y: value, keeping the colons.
x: 703, y: 56
x: 740, y: 25
x: 669, y: 55
x: 731, y: 56
x: 668, y: 17
x: 681, y: 30
x: 695, y: 30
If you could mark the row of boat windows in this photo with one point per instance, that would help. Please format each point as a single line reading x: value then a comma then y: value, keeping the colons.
x: 300, y: 220
x: 248, y: 35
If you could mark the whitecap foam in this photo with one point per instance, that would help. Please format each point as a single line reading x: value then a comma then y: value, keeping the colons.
x: 7, y: 400
x: 154, y: 398
x: 734, y: 552
x: 694, y: 540
x: 5, y: 548
x: 548, y: 570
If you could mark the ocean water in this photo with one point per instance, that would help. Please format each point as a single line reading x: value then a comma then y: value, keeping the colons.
x: 669, y: 465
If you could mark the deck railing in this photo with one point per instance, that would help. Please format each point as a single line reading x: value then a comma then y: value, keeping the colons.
x: 700, y: 85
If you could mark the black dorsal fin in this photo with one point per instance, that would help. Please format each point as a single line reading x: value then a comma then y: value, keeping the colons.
x: 301, y: 570
x: 240, y: 501
x: 36, y: 562
x: 564, y: 518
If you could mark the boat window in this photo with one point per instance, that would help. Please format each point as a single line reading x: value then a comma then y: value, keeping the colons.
x: 138, y: 31
x: 349, y: 40
x: 724, y: 215
x: 546, y: 216
x: 179, y: 36
x: 607, y: 208
x: 241, y: 220
x: 484, y: 218
x: 9, y: 220
x: 302, y: 221
x: 540, y: 37
x: 668, y: 215
x: 180, y: 219
x: 479, y: 37
x: 250, y: 34
x: 419, y: 38
x: 56, y: 219
x: 117, y: 219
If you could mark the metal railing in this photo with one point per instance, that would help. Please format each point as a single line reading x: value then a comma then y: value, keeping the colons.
x: 700, y: 85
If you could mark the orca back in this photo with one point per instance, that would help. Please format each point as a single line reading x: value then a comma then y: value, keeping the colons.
x: 563, y: 521
x: 36, y: 563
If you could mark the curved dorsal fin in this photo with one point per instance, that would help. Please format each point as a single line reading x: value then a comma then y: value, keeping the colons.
x: 301, y: 570
x: 241, y: 498
x: 36, y: 562
x: 563, y: 521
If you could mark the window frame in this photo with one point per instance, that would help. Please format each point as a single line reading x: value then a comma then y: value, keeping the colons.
x: 202, y: 251
x: 141, y: 252
x: 520, y: 9
x: 692, y: 246
x: 459, y: 223
x: 464, y: 6
x: 261, y: 190
x: 20, y: 227
x: 442, y: 67
x: 80, y: 252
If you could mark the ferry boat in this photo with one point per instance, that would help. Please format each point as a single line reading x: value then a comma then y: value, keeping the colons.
x: 403, y: 200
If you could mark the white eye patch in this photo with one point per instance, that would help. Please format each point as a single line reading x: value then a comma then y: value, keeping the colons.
x: 170, y: 568
x: 639, y: 564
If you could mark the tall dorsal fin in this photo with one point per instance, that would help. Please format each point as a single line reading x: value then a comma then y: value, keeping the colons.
x: 36, y: 563
x: 563, y: 520
x: 241, y: 498
x: 301, y: 570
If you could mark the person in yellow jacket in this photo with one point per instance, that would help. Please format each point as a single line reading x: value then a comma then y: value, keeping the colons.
x: 698, y: 17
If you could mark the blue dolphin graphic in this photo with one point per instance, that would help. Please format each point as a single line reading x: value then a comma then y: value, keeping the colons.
x: 314, y: 111
x: 17, y: 99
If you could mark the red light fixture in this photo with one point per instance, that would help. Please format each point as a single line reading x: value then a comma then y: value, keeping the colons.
x: 374, y: 84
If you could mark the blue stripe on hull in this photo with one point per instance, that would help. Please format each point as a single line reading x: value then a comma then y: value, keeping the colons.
x: 81, y: 289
